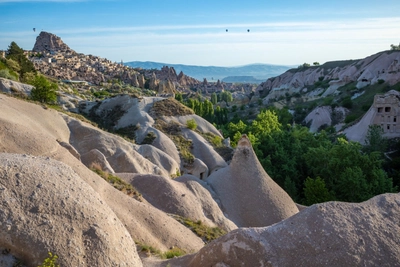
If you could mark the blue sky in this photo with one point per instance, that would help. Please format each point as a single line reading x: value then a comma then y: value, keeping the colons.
x: 194, y: 32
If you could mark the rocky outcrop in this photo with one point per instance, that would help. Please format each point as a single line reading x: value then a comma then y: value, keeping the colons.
x: 184, y: 196
x: 381, y: 66
x: 166, y: 81
x: 13, y: 87
x: 46, y: 206
x: 48, y: 42
x: 27, y: 128
x: 328, y: 234
x: 249, y: 197
x: 326, y: 116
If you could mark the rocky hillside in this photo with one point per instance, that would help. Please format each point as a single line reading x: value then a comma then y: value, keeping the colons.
x: 383, y: 66
x: 47, y: 184
x: 54, y: 58
x: 340, y: 94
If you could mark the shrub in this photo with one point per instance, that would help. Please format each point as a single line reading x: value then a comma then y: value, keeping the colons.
x: 50, y: 261
x: 5, y: 73
x: 380, y: 81
x: 216, y: 141
x: 191, y: 124
x: 44, y: 91
x: 149, y: 139
x: 350, y: 118
x: 347, y: 102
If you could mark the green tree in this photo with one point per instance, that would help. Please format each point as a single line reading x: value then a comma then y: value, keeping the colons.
x: 315, y: 191
x: 16, y: 54
x: 226, y: 96
x: 214, y: 98
x: 395, y: 47
x: 179, y: 97
x: 347, y: 102
x: 44, y: 91
x: 265, y: 123
x: 349, y: 173
x: 374, y: 141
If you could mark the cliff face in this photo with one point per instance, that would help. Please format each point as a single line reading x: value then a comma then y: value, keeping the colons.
x: 381, y: 66
x: 48, y: 42
x: 166, y: 81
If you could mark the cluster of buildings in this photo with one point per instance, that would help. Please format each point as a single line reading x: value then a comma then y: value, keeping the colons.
x: 79, y: 67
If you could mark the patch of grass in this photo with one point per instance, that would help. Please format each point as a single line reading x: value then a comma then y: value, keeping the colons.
x: 172, y: 253
x: 117, y: 182
x: 169, y: 107
x: 173, y: 131
x: 148, y: 249
x: 350, y: 118
x: 184, y: 146
x: 203, y: 231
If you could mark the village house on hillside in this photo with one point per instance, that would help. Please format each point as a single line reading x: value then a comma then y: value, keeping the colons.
x: 387, y: 114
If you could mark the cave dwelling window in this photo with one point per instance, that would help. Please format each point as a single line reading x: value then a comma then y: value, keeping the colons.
x: 387, y: 109
x: 380, y: 110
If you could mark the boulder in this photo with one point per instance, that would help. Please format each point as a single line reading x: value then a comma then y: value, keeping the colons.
x: 46, y: 206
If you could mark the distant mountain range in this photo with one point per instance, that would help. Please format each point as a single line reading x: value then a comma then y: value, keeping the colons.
x: 249, y: 73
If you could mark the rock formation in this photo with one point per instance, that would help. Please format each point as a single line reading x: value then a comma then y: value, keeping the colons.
x: 46, y: 206
x: 249, y: 197
x: 381, y: 66
x: 184, y: 196
x: 327, y: 234
x: 325, y: 116
x: 17, y: 88
x: 29, y: 129
x: 48, y: 42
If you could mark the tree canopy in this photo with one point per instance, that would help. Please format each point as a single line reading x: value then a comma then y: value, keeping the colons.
x: 44, y: 91
x: 17, y: 60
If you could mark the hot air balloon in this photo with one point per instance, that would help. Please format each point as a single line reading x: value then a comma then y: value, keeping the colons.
x: 34, y: 29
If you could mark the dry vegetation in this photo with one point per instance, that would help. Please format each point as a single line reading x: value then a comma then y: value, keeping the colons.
x: 149, y: 250
x: 169, y: 107
x: 117, y: 182
x: 203, y: 231
x: 173, y: 131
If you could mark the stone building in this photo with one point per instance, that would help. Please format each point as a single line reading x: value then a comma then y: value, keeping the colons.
x: 387, y: 114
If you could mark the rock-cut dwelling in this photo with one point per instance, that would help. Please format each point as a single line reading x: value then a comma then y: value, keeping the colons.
x: 387, y: 114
